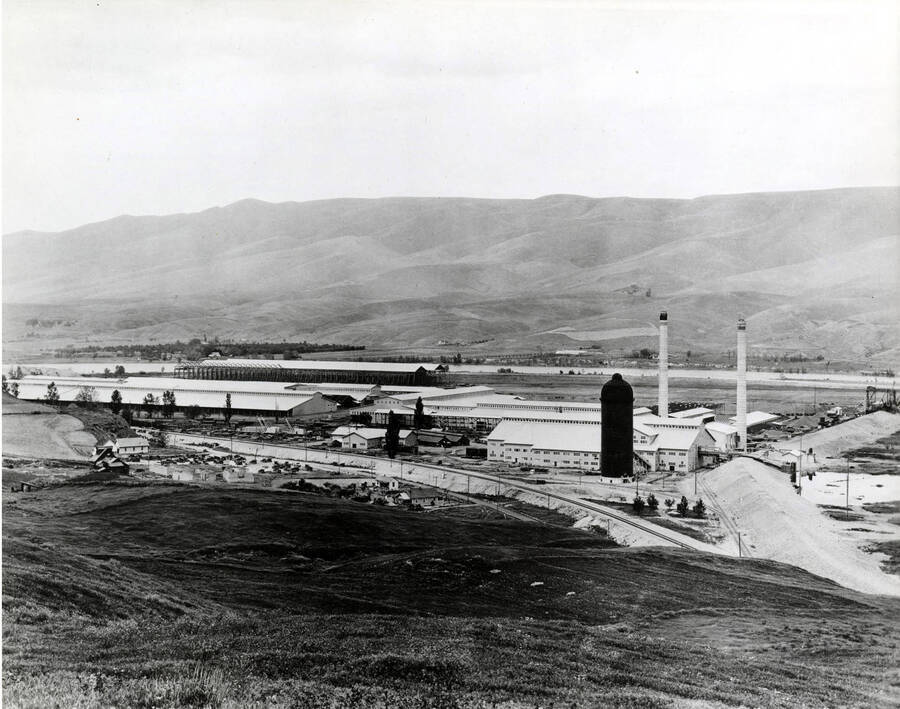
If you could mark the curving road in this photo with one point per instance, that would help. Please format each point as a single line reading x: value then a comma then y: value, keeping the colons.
x: 386, y: 466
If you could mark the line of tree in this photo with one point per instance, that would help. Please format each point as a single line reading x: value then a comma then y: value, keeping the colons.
x: 196, y: 349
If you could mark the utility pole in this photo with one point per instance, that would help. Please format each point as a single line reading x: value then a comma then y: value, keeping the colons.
x: 847, y: 505
x: 695, y: 481
x: 739, y: 545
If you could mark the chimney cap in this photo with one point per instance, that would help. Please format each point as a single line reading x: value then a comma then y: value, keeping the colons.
x: 663, y: 316
x: 742, y: 324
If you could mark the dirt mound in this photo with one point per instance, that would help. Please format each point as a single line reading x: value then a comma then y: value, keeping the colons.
x: 778, y: 524
x: 46, y: 435
x: 834, y: 441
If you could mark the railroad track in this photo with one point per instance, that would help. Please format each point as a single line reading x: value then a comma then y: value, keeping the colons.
x: 726, y: 520
x: 622, y: 519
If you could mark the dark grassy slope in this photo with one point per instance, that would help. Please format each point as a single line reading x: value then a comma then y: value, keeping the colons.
x: 176, y: 595
x: 412, y: 271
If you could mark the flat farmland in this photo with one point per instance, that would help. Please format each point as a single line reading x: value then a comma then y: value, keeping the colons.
x: 778, y: 397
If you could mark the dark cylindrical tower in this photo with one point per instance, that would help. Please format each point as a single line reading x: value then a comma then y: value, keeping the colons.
x: 616, y: 428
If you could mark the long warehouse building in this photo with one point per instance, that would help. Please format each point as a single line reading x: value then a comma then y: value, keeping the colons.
x: 247, y: 398
x: 302, y: 370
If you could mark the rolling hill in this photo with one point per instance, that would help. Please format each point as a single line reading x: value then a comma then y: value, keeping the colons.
x: 181, y: 596
x: 810, y: 270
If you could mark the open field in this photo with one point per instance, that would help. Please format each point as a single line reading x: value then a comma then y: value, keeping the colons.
x: 172, y: 595
x: 778, y: 396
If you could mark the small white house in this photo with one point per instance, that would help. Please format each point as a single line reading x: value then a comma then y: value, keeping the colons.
x: 129, y: 446
x: 368, y: 438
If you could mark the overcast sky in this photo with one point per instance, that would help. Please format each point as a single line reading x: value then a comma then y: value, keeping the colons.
x: 159, y: 107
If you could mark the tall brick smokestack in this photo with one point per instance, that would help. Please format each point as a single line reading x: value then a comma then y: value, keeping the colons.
x: 742, y: 384
x: 663, y: 365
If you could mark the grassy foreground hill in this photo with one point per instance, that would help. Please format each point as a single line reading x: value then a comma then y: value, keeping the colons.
x: 169, y: 596
x: 814, y: 271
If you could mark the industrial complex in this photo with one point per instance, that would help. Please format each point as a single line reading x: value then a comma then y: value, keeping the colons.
x: 612, y: 438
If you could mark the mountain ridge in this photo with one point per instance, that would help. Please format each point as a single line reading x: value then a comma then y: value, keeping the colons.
x: 309, y: 266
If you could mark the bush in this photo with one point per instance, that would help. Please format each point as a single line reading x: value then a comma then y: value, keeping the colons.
x: 652, y: 502
x: 638, y: 504
x: 669, y: 503
x: 699, y: 508
x: 683, y: 506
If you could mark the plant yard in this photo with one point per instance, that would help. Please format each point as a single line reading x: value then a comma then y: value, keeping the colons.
x: 166, y: 595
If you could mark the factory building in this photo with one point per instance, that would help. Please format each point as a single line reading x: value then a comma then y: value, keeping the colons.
x: 674, y: 445
x: 703, y: 414
x: 657, y: 444
x: 724, y: 435
x: 551, y: 445
x: 755, y: 420
x: 312, y: 371
x: 247, y: 398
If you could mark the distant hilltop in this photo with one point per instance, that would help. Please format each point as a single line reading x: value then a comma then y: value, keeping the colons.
x: 814, y: 270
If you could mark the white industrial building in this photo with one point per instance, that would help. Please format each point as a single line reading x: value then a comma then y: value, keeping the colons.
x: 705, y: 415
x: 756, y: 419
x: 724, y: 435
x: 556, y: 445
x: 249, y: 398
x: 660, y: 444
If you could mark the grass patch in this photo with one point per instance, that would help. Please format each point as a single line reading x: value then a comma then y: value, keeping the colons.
x: 171, y: 596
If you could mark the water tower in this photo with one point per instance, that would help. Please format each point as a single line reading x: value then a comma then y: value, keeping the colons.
x: 616, y: 428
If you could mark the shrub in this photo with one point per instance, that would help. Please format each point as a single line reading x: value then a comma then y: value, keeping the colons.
x: 638, y: 504
x: 652, y: 502
x: 669, y: 503
x: 699, y: 508
x: 683, y: 506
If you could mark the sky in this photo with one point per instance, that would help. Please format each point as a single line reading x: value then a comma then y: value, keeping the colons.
x: 158, y: 107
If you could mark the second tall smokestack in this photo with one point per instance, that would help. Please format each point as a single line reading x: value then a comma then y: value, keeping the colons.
x: 742, y: 384
x: 663, y: 406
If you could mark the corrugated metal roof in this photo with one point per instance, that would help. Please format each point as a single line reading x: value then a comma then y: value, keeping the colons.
x: 691, y: 413
x: 676, y: 439
x: 720, y: 427
x: 263, y: 396
x: 755, y: 418
x: 548, y: 436
x: 132, y: 442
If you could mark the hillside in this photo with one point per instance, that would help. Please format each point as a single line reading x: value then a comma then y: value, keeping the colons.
x: 813, y: 270
x: 169, y: 595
